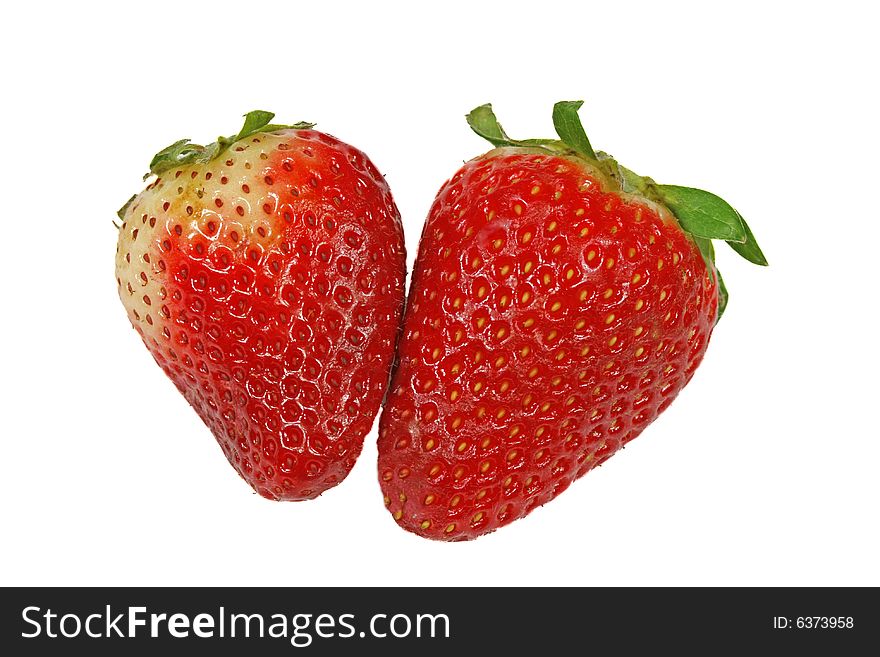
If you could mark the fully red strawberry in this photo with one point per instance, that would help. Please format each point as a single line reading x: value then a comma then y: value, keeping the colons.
x: 559, y: 303
x: 265, y: 274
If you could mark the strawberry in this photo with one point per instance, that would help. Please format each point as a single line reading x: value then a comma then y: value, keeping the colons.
x: 559, y: 303
x: 265, y: 274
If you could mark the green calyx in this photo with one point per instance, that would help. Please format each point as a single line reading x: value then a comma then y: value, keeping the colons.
x: 701, y: 214
x: 182, y: 153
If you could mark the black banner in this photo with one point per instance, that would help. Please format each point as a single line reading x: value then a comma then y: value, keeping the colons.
x: 513, y: 621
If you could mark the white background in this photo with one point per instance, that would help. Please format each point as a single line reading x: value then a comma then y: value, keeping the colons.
x: 764, y: 471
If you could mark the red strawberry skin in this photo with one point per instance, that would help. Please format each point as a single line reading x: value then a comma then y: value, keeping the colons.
x: 551, y: 318
x: 268, y: 285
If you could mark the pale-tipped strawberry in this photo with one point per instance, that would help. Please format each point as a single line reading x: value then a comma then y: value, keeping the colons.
x: 559, y: 303
x: 265, y: 274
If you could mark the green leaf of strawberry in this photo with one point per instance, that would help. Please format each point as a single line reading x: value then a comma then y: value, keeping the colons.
x: 254, y: 122
x: 179, y: 152
x: 703, y: 214
x: 568, y: 127
x: 749, y: 249
x: 722, y: 295
x: 121, y: 211
x: 483, y: 121
x: 707, y: 250
x: 183, y: 153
